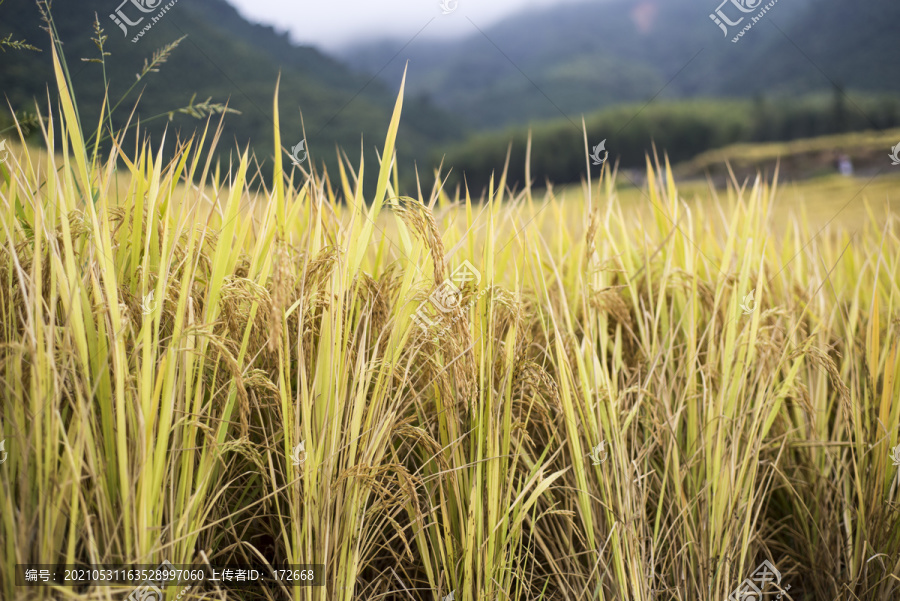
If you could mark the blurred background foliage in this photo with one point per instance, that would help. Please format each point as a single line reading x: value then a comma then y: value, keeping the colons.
x: 641, y: 72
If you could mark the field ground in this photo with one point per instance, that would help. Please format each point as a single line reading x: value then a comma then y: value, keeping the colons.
x: 840, y: 201
x: 827, y: 198
x: 797, y: 159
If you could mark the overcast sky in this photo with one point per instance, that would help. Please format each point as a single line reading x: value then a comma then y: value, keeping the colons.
x: 330, y: 24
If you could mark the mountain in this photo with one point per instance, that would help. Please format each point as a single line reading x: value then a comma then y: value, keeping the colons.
x: 826, y: 43
x: 223, y: 57
x: 537, y: 66
x: 577, y: 58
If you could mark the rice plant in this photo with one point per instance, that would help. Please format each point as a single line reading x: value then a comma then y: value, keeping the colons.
x: 201, y: 367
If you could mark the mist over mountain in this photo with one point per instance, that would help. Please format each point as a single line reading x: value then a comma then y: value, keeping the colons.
x: 578, y: 58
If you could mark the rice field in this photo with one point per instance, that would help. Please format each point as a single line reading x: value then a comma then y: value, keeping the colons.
x: 510, y: 397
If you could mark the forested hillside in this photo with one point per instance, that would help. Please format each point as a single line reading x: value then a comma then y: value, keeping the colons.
x: 224, y: 58
x: 580, y: 57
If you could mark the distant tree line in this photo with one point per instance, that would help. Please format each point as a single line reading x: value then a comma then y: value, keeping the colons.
x: 681, y: 130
